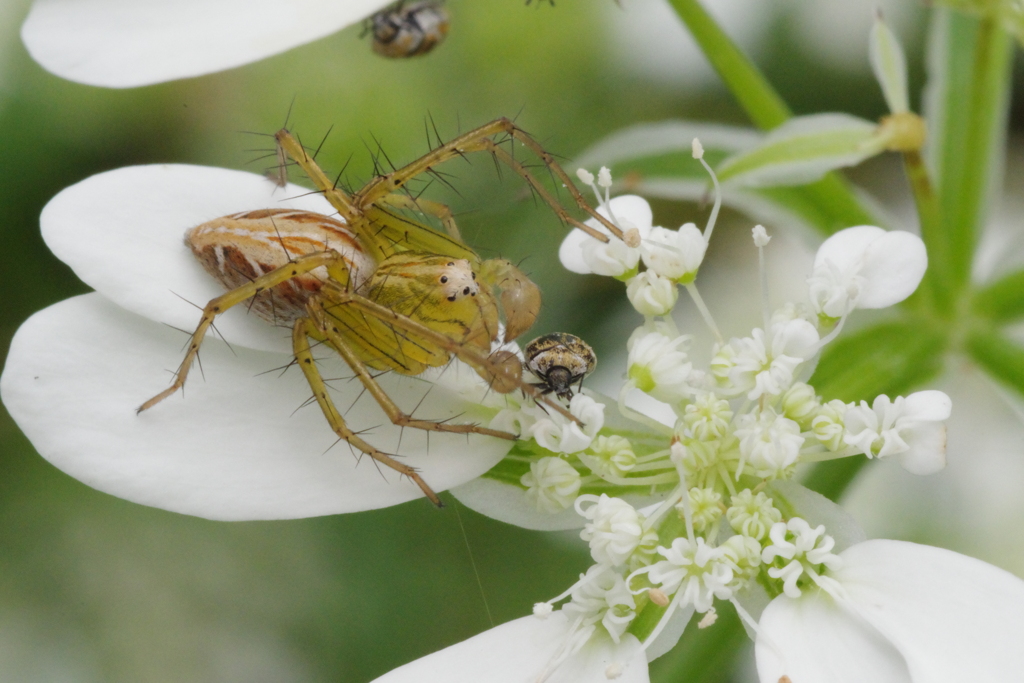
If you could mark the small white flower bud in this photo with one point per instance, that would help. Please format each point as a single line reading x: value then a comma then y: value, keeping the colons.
x: 611, y: 456
x: 652, y: 294
x: 707, y: 418
x: 752, y: 515
x: 706, y: 507
x: 827, y: 425
x: 800, y: 404
x: 551, y: 484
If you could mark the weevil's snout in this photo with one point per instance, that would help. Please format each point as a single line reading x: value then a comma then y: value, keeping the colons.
x: 560, y: 380
x: 458, y: 280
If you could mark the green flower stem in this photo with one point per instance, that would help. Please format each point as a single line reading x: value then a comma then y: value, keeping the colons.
x: 929, y: 214
x: 763, y: 105
x: 766, y: 109
x: 969, y: 146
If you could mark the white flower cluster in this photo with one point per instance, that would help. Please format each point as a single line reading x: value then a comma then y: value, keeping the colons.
x: 750, y: 415
x: 745, y: 421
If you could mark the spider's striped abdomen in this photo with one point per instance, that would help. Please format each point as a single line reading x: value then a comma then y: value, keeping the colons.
x: 238, y: 248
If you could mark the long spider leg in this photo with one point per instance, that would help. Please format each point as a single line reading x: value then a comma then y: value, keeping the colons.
x: 478, y: 360
x: 215, y: 307
x: 479, y: 140
x: 324, y: 326
x: 303, y: 330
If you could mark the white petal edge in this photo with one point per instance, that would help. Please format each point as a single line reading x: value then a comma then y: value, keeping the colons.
x: 518, y: 652
x: 811, y: 639
x: 236, y: 446
x: 128, y: 43
x: 952, y: 617
x: 894, y: 265
x: 122, y: 233
x: 928, y: 405
x: 846, y: 246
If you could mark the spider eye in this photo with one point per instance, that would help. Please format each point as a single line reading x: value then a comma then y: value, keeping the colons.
x: 451, y: 263
x: 444, y: 279
x: 465, y: 291
x: 451, y: 298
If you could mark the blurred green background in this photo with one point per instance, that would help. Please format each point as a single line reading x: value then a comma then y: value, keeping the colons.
x: 93, y: 588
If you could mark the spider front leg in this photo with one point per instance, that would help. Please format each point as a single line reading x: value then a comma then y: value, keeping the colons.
x: 501, y: 369
x: 482, y: 140
x: 334, y: 337
x: 304, y: 329
x: 425, y: 206
x: 215, y: 307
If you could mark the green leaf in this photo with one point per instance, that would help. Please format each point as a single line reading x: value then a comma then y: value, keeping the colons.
x: 1001, y: 357
x: 1001, y: 301
x: 891, y: 358
x: 889, y: 65
x: 969, y: 67
x: 666, y: 148
x: 803, y: 150
x: 656, y: 160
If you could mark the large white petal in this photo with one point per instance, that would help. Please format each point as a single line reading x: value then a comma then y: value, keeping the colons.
x: 122, y: 233
x: 813, y: 640
x: 519, y: 651
x: 952, y: 617
x: 236, y: 446
x: 127, y: 43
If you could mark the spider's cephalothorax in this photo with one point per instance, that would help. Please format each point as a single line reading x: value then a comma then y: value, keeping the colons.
x: 381, y: 288
x: 408, y: 29
x: 559, y: 360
